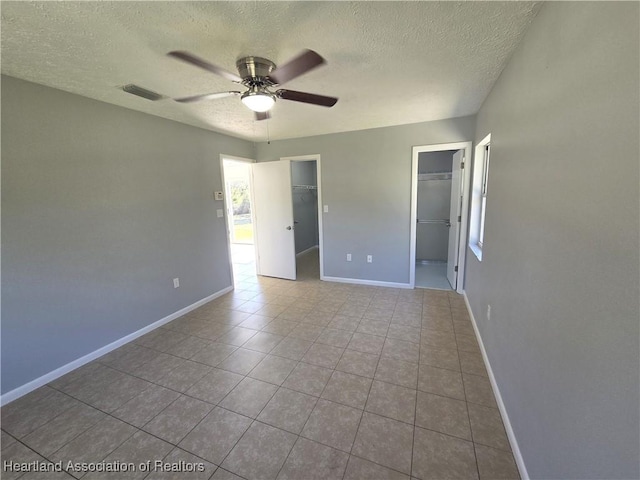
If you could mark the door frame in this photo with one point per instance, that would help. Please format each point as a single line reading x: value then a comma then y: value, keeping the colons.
x: 315, y: 157
x: 227, y: 219
x: 464, y: 213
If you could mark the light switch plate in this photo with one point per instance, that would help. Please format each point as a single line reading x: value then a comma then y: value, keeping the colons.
x: 220, y: 213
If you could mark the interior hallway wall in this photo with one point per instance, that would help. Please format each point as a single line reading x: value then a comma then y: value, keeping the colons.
x: 101, y: 208
x: 366, y: 183
x: 560, y: 263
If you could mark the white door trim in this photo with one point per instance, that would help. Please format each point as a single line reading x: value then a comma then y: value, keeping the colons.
x: 315, y: 157
x: 462, y: 251
x: 234, y: 158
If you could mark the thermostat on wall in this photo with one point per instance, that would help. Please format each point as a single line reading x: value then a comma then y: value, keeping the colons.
x: 218, y: 195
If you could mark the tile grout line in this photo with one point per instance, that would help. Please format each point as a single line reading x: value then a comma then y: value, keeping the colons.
x: 253, y: 420
x: 365, y: 406
x: 415, y: 406
x: 262, y: 409
x: 466, y: 403
x: 139, y: 429
x: 315, y: 405
x: 323, y: 328
x: 362, y: 414
x: 80, y: 434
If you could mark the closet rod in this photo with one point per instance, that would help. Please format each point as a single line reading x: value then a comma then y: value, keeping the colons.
x: 446, y: 222
x: 426, y: 177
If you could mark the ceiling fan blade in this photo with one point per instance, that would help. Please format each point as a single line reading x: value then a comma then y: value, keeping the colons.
x: 304, y: 62
x: 206, y: 96
x: 262, y: 115
x: 305, y: 97
x: 199, y: 62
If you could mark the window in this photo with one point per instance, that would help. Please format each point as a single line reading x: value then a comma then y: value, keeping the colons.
x: 479, y: 197
x: 483, y: 205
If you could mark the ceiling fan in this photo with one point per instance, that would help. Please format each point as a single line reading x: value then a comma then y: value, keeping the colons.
x: 260, y: 75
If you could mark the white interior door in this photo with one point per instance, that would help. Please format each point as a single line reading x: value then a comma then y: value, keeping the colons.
x: 454, y: 213
x: 273, y: 211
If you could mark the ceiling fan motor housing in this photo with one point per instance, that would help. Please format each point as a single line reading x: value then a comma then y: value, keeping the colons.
x: 255, y: 70
x: 259, y: 74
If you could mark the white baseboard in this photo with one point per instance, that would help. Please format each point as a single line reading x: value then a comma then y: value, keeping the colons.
x: 357, y: 281
x: 517, y: 455
x: 315, y: 247
x: 58, y: 372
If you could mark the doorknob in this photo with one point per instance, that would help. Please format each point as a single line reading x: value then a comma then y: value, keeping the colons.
x: 289, y: 227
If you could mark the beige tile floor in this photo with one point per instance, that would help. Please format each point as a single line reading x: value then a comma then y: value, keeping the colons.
x: 279, y: 379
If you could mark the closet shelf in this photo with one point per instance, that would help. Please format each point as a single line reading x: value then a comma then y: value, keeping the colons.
x: 425, y: 177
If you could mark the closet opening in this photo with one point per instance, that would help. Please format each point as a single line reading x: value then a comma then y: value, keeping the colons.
x: 434, y: 219
x: 440, y: 185
x: 304, y: 193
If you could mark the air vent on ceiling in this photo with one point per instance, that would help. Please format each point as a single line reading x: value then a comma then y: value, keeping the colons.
x: 142, y: 92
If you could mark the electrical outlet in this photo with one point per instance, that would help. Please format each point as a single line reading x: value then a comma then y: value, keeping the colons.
x: 348, y: 257
x: 488, y: 312
x: 219, y: 213
x: 176, y: 282
x: 369, y: 258
x: 325, y: 209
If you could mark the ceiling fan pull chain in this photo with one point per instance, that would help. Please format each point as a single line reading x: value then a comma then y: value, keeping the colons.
x: 268, y: 135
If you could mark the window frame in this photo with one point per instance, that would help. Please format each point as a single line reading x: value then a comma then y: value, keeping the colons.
x: 479, y: 196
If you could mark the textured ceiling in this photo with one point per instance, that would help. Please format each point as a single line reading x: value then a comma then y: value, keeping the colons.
x: 390, y: 63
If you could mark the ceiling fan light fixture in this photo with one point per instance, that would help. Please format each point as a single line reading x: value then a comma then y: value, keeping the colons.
x: 258, y: 75
x: 258, y: 101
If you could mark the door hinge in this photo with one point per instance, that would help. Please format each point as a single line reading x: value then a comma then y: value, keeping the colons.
x: 461, y: 165
x: 455, y: 269
x: 459, y: 218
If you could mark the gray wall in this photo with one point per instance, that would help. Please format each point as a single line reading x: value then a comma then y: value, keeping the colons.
x: 430, y: 162
x: 560, y: 260
x: 101, y: 208
x: 366, y: 182
x: 305, y: 205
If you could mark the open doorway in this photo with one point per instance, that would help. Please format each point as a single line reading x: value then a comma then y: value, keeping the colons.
x: 239, y: 213
x: 273, y: 216
x: 440, y: 184
x: 287, y: 197
x: 433, y: 222
x: 304, y: 193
